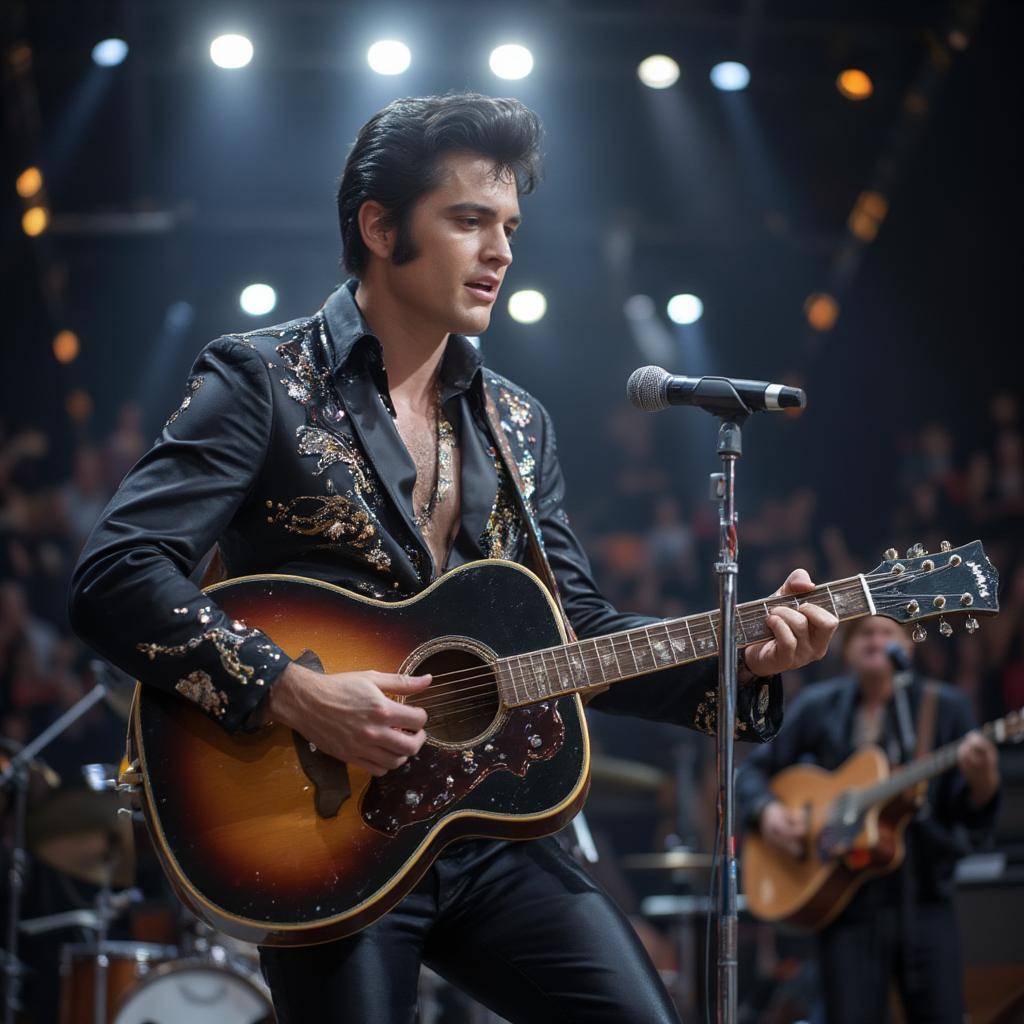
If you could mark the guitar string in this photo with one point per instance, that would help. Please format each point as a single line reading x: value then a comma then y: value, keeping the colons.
x: 670, y: 627
x: 749, y: 617
x: 591, y: 662
x: 826, y: 591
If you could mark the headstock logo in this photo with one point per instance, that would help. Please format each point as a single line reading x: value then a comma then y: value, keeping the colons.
x: 979, y: 578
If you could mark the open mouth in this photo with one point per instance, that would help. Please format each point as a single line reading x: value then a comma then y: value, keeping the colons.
x: 483, y: 289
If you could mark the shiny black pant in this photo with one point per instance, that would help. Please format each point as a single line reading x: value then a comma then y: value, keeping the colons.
x: 518, y: 926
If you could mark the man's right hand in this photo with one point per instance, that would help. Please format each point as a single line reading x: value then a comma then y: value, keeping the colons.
x: 784, y: 828
x: 350, y: 715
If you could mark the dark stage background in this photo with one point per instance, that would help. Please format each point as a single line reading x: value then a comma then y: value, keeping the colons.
x: 170, y: 184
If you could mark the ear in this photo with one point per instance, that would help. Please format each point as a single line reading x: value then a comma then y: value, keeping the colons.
x: 377, y: 231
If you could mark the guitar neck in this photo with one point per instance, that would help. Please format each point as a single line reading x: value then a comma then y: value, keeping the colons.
x: 1001, y: 730
x: 587, y: 665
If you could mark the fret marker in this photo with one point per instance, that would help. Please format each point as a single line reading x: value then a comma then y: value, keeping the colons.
x: 679, y: 646
x: 661, y: 650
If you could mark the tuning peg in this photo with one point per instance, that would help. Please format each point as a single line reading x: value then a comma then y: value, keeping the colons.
x: 971, y: 625
x: 945, y: 546
x: 945, y: 628
x: 891, y: 554
x: 916, y: 550
x: 919, y: 634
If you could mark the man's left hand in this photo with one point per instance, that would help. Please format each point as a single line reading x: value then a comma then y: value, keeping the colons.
x: 802, y: 634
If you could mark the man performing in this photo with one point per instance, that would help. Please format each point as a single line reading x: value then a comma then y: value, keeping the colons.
x: 900, y: 928
x: 353, y: 447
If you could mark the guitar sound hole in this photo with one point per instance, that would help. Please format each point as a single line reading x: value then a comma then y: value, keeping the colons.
x: 462, y: 699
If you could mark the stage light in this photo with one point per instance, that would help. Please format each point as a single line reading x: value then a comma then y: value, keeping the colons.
x: 685, y: 309
x: 527, y: 307
x: 29, y: 182
x: 854, y: 84
x: 822, y: 311
x: 658, y: 71
x: 389, y: 57
x: 511, y: 61
x: 257, y: 299
x: 109, y: 52
x: 231, y: 51
x: 638, y: 307
x: 35, y: 221
x: 66, y: 346
x: 730, y: 76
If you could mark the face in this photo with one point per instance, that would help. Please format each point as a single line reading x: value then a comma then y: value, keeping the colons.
x: 865, y: 651
x: 462, y: 234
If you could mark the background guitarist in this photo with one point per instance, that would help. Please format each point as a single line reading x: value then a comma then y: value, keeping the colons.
x: 352, y: 446
x: 900, y: 927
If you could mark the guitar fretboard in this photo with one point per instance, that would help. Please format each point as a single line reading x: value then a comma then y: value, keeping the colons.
x: 593, y: 664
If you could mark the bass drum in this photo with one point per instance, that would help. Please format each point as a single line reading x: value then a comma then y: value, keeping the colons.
x: 197, y: 991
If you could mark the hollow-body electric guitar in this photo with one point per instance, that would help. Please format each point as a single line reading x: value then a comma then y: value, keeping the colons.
x: 856, y: 817
x: 272, y: 841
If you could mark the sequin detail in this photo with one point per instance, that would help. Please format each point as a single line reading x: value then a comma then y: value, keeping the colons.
x: 504, y: 528
x: 193, y: 385
x: 198, y: 687
x: 338, y: 519
x: 445, y: 462
x: 515, y: 407
x: 225, y: 643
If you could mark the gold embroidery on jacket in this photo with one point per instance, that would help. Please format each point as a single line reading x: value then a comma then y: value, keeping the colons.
x: 193, y: 385
x: 198, y: 686
x: 338, y: 519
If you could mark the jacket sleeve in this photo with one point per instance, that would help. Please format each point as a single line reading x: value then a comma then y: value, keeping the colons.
x: 683, y: 695
x: 131, y: 597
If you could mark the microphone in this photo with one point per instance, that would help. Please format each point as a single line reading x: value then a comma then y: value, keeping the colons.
x: 898, y: 656
x: 652, y: 389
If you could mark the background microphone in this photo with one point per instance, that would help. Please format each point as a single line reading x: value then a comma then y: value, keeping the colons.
x: 651, y: 388
x: 898, y: 656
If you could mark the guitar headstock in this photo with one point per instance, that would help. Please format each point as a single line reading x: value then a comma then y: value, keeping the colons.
x: 953, y: 581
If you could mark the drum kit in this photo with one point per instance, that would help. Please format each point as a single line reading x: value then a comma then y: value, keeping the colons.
x: 87, y: 834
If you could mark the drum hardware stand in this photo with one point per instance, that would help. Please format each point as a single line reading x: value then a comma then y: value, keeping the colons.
x: 16, y: 777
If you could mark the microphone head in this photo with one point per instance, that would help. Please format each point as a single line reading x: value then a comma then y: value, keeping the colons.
x: 898, y: 656
x: 647, y: 388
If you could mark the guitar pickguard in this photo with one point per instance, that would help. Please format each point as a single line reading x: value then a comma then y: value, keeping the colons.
x: 437, y: 777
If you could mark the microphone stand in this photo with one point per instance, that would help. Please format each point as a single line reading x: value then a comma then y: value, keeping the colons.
x: 723, y: 490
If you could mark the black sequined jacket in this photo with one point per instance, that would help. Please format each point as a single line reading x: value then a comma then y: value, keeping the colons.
x: 284, y: 452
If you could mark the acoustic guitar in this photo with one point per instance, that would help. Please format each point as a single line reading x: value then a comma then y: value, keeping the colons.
x: 271, y: 841
x: 856, y: 817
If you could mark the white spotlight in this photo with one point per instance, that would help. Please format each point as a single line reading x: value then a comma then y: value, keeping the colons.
x: 231, y: 51
x: 685, y: 309
x: 389, y: 57
x: 257, y: 299
x: 527, y: 307
x: 730, y: 76
x: 658, y: 71
x: 109, y: 52
x: 511, y: 61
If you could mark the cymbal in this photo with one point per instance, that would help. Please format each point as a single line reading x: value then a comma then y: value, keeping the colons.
x: 42, y: 779
x: 79, y: 832
x: 673, y: 860
x: 618, y: 773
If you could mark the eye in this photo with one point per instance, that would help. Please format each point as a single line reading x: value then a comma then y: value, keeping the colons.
x: 469, y: 222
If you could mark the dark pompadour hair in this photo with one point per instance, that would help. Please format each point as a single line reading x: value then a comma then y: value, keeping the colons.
x: 396, y: 156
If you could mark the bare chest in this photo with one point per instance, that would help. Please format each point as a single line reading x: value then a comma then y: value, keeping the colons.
x: 435, y: 495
